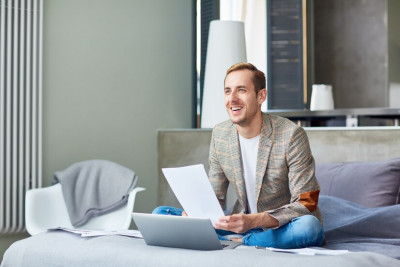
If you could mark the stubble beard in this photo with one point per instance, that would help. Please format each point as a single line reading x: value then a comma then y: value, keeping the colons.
x: 246, y: 120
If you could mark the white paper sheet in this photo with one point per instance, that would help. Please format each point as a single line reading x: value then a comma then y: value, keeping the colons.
x: 194, y: 192
x: 309, y: 251
x: 130, y: 233
x: 91, y: 233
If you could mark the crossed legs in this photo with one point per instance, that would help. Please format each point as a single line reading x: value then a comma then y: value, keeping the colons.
x: 304, y: 231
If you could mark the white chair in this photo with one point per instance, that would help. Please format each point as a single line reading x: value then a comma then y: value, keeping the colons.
x: 45, y: 208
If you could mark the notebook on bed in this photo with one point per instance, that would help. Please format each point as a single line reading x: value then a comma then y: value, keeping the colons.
x: 180, y: 232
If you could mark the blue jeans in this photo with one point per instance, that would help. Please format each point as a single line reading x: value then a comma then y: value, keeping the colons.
x: 304, y: 231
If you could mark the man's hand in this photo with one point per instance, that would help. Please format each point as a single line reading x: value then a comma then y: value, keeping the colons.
x: 237, y: 223
x: 184, y: 214
x: 240, y: 223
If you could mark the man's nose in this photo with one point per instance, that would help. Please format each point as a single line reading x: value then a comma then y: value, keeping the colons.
x: 233, y: 96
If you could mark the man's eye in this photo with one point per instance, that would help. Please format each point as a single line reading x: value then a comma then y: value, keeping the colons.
x: 227, y: 91
x: 242, y: 90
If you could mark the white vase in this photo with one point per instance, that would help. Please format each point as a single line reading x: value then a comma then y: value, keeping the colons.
x: 321, y: 97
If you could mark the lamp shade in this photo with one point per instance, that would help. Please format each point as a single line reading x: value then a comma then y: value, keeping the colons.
x: 226, y: 46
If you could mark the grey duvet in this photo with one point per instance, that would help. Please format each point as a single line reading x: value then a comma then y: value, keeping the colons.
x: 357, y: 228
x: 372, y: 233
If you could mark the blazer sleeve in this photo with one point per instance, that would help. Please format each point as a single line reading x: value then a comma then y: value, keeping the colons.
x: 303, y: 185
x: 217, y: 178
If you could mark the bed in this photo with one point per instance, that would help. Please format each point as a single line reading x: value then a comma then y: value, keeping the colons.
x: 359, y: 174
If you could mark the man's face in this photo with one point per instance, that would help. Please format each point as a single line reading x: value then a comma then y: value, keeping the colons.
x: 241, y: 100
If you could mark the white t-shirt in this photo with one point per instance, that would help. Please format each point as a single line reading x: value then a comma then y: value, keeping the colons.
x: 249, y: 150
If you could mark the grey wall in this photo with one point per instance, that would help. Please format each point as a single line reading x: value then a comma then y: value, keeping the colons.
x: 351, y: 40
x: 114, y: 72
x: 394, y: 40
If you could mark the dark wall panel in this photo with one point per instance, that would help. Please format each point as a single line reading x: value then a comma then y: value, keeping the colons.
x: 351, y: 51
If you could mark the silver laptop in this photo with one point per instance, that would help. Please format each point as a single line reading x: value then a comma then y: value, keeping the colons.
x: 179, y: 232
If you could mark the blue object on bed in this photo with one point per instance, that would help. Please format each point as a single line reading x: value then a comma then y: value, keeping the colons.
x: 348, y: 225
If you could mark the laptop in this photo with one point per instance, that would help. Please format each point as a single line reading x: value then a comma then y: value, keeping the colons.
x: 179, y: 232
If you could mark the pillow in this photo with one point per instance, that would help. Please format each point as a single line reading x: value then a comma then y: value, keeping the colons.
x: 371, y: 184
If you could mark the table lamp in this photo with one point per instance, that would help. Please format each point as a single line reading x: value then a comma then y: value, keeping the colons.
x: 226, y: 46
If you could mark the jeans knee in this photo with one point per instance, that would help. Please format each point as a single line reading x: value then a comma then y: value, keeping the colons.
x: 167, y: 210
x: 311, y: 230
x: 161, y: 210
x: 301, y: 232
x: 310, y: 220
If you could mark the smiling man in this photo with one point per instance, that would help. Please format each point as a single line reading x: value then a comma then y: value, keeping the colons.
x: 268, y: 161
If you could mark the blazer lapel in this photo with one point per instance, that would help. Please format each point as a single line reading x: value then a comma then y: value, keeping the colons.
x: 264, y: 150
x: 237, y: 169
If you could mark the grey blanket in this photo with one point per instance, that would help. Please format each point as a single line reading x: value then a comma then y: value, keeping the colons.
x: 357, y: 228
x: 65, y: 249
x: 94, y: 187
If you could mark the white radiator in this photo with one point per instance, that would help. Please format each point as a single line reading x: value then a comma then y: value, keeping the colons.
x: 21, y: 24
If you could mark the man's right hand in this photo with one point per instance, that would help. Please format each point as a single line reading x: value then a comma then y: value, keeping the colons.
x: 240, y: 223
x: 184, y: 213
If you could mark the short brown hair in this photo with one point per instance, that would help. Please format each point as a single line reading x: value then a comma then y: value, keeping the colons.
x: 258, y: 77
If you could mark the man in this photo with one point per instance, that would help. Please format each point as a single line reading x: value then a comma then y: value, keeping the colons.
x: 269, y: 163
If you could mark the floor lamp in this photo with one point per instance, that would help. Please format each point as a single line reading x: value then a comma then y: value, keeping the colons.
x: 226, y: 46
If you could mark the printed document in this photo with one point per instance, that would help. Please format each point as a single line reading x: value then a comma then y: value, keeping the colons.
x: 309, y: 251
x: 194, y: 192
x: 90, y: 233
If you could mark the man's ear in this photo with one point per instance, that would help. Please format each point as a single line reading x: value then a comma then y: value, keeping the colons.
x: 261, y: 96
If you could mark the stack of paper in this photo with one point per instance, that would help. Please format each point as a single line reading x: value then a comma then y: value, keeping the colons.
x: 307, y: 251
x: 91, y: 233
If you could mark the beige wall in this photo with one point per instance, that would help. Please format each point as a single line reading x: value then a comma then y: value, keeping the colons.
x: 114, y: 72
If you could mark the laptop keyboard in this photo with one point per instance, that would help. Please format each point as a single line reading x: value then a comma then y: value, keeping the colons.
x: 225, y: 245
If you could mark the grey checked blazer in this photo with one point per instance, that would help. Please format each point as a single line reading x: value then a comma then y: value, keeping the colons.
x: 286, y: 186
